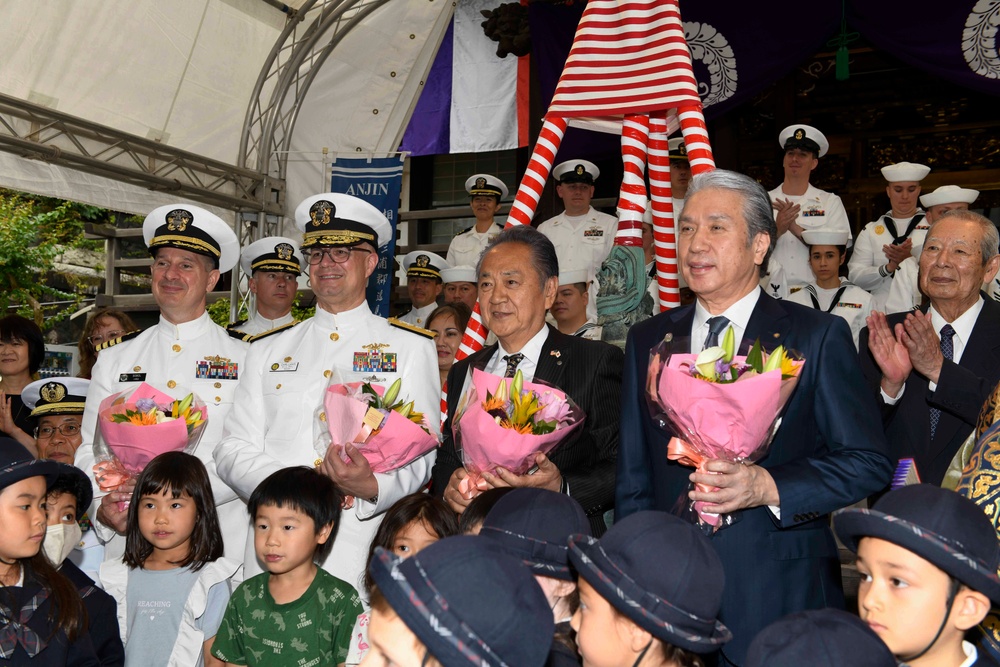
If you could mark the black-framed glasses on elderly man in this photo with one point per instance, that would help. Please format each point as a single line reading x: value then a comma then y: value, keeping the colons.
x: 97, y: 339
x: 339, y: 255
x: 46, y: 432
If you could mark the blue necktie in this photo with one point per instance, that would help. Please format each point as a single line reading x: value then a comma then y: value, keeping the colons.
x: 948, y: 350
x: 716, y: 325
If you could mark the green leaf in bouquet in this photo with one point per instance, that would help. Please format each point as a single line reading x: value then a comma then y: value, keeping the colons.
x: 755, y: 358
x: 393, y: 392
x: 367, y: 389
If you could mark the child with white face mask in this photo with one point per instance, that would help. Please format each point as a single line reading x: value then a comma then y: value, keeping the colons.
x: 67, y: 499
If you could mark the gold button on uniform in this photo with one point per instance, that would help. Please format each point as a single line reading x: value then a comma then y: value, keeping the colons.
x: 327, y: 373
x: 218, y: 399
x: 287, y: 359
x: 136, y: 369
x: 176, y: 347
x: 218, y: 385
x: 277, y: 386
x: 335, y: 336
x: 171, y: 384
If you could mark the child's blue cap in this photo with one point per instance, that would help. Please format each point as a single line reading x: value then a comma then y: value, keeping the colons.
x: 17, y: 463
x: 677, y: 603
x: 941, y: 526
x: 819, y: 638
x: 534, y: 525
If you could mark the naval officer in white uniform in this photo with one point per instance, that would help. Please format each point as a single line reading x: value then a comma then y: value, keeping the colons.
x: 423, y: 284
x: 485, y: 192
x: 273, y: 265
x: 275, y: 422
x: 799, y: 206
x: 884, y: 243
x: 582, y: 235
x: 185, y: 351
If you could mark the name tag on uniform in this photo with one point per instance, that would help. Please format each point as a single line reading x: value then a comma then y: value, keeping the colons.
x: 285, y: 367
x: 132, y: 377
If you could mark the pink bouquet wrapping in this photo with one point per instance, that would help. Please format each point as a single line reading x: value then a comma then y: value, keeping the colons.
x: 504, y: 422
x: 720, y: 406
x: 137, y: 425
x: 389, y: 434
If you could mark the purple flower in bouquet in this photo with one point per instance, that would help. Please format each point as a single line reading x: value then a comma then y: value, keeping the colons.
x: 145, y: 404
x: 553, y: 409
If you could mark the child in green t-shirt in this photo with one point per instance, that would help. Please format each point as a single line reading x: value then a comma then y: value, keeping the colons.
x: 295, y: 614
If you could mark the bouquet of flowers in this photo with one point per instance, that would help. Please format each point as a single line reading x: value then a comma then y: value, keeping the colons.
x: 389, y: 432
x: 136, y: 425
x: 720, y: 406
x: 504, y: 422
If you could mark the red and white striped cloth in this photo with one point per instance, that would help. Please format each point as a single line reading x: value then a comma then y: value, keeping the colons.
x: 628, y: 57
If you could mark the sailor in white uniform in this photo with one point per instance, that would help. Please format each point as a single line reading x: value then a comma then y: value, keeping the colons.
x: 569, y: 310
x: 485, y: 192
x: 828, y: 291
x: 277, y: 416
x: 424, y: 285
x: 184, y: 352
x: 582, y: 235
x: 904, y: 292
x: 799, y: 206
x: 884, y: 243
x: 273, y: 265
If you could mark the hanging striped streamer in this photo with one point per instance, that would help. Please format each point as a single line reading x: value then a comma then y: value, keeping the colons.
x: 632, y: 192
x: 664, y: 236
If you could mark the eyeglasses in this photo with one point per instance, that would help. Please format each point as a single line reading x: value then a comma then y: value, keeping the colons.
x: 46, y: 432
x: 338, y: 255
x: 97, y: 339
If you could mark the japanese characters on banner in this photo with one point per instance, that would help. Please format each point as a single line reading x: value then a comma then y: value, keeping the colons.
x: 378, y: 182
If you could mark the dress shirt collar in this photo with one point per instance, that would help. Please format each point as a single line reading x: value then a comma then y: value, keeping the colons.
x: 963, y: 327
x: 738, y: 315
x: 532, y: 352
x: 267, y: 324
x: 185, y: 330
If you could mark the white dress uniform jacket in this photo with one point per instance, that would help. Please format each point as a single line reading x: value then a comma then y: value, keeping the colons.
x: 818, y: 210
x: 582, y: 244
x: 259, y: 324
x: 418, y: 316
x: 197, y: 355
x: 274, y: 423
x: 466, y: 247
x: 853, y: 303
x: 868, y: 258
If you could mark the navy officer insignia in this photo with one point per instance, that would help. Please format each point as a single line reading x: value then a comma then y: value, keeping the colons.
x: 373, y: 359
x: 480, y: 183
x: 800, y: 134
x: 321, y: 212
x: 284, y: 251
x: 121, y: 339
x: 53, y: 392
x: 217, y: 368
x: 178, y: 220
x: 423, y: 261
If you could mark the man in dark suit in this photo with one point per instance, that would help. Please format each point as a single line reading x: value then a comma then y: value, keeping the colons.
x: 933, y: 368
x: 829, y: 452
x: 518, y: 278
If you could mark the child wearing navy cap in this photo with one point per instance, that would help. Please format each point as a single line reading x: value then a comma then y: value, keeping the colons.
x: 928, y: 560
x: 534, y: 526
x: 650, y: 592
x: 819, y: 638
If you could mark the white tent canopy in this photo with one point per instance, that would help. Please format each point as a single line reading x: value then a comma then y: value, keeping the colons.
x: 183, y: 73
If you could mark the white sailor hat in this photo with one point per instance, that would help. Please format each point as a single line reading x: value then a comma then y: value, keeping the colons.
x: 678, y: 151
x: 459, y: 274
x: 485, y: 184
x: 576, y: 171
x: 56, y: 396
x: 573, y: 277
x: 816, y: 237
x: 335, y: 219
x: 194, y: 229
x: 805, y: 137
x: 424, y: 264
x: 905, y: 171
x: 273, y: 253
x: 949, y: 194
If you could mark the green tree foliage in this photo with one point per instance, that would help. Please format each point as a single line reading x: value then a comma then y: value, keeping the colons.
x: 219, y: 311
x: 31, y: 237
